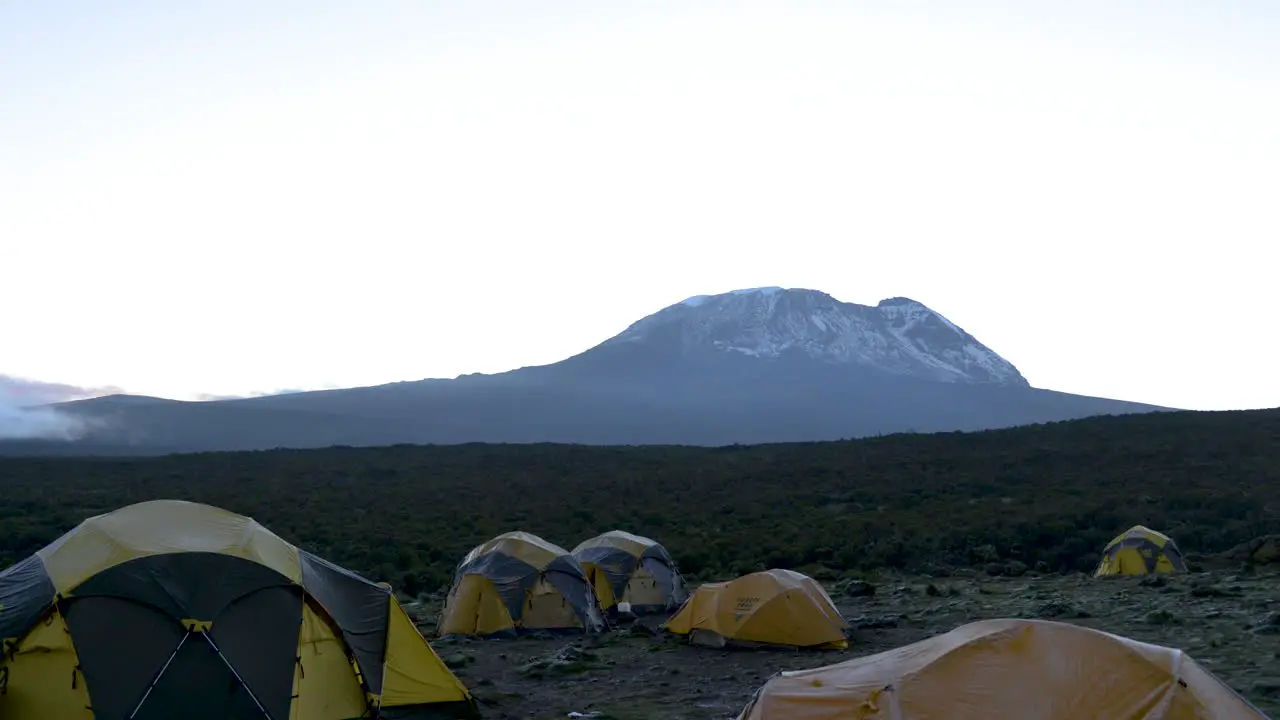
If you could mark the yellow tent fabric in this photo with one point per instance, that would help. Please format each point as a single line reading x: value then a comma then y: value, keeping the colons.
x: 523, y: 546
x: 161, y: 527
x: 1139, y: 551
x: 226, y: 617
x: 1015, y: 669
x: 631, y: 570
x: 518, y: 582
x: 777, y: 607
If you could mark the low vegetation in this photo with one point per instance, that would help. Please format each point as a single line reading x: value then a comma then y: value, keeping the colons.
x: 1044, y: 497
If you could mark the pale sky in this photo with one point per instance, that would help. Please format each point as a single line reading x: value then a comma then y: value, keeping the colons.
x: 240, y: 196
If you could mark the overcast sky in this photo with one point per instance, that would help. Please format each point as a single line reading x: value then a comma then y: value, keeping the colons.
x: 240, y: 196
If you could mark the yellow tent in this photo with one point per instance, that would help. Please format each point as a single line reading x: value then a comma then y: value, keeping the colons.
x: 997, y: 669
x: 1138, y: 551
x: 775, y: 607
x: 169, y: 609
x: 517, y: 582
x: 630, y: 569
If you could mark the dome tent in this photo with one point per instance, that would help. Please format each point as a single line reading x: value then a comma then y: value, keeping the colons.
x: 626, y: 568
x: 518, y: 582
x: 774, y: 607
x: 174, y: 609
x: 1016, y: 669
x: 1139, y: 551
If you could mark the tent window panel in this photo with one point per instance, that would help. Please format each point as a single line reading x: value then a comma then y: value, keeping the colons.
x: 121, y: 646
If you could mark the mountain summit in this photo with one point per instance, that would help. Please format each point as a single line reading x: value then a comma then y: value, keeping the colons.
x: 899, y: 336
x: 747, y: 366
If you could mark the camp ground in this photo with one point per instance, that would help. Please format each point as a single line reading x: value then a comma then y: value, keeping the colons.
x: 173, y: 609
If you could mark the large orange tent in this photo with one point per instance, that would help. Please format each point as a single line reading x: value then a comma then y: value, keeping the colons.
x: 1014, y: 669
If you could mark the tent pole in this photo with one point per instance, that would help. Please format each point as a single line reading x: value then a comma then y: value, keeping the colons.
x: 160, y: 674
x: 239, y: 679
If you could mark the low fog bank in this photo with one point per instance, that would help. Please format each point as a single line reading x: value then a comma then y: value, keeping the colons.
x: 24, y: 417
x: 42, y: 423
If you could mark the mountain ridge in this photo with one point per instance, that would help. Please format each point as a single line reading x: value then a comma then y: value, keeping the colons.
x: 747, y: 366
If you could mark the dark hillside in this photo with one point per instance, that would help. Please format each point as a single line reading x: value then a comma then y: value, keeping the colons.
x: 1048, y: 494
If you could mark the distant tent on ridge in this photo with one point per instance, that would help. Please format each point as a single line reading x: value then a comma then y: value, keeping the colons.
x: 518, y: 582
x: 998, y: 669
x: 630, y: 569
x: 170, y: 609
x: 1139, y: 551
x: 774, y: 607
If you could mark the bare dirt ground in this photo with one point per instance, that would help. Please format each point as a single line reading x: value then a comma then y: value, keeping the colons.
x: 1227, y: 621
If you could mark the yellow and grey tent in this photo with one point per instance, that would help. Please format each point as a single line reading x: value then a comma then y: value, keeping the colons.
x: 1015, y: 669
x: 519, y: 582
x: 774, y: 607
x: 1139, y: 551
x: 630, y: 569
x: 170, y: 609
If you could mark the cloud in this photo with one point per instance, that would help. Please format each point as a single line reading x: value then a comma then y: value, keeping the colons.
x: 24, y: 413
x: 212, y: 397
x: 24, y: 392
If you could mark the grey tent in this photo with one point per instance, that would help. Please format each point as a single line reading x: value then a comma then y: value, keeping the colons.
x: 519, y: 582
x: 632, y: 570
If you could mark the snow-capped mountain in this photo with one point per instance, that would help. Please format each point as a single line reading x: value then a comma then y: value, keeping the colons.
x: 748, y: 366
x: 899, y: 335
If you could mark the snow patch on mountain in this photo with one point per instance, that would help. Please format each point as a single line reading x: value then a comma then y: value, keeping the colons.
x: 899, y: 335
x: 697, y: 300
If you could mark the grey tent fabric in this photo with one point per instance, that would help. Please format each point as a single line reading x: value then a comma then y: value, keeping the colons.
x: 1154, y: 551
x: 575, y: 589
x: 358, y: 606
x: 511, y: 577
x: 25, y: 593
x: 667, y: 577
x: 566, y: 575
x: 185, y: 586
x: 619, y: 566
x: 129, y: 619
x: 122, y: 643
